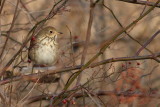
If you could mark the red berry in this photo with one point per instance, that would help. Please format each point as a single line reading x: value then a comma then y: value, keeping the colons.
x: 75, y: 37
x: 33, y: 38
x: 29, y: 61
x: 64, y: 101
x: 138, y: 63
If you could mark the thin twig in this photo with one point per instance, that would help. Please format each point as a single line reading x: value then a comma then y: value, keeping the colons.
x: 5, y: 35
x: 68, y: 69
x: 126, y: 31
x: 148, y: 3
x: 107, y: 44
x: 147, y: 42
x: 88, y: 35
x: 12, y: 25
x: 2, y: 4
x: 71, y: 46
x: 34, y: 31
x: 27, y: 10
x: 99, y: 93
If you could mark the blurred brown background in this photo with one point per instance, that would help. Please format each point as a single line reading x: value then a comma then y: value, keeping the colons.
x: 74, y: 17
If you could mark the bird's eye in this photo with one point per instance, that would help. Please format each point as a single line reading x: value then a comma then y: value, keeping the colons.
x: 51, y: 31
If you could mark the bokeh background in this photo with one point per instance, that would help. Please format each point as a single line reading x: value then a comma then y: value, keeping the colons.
x: 120, y: 82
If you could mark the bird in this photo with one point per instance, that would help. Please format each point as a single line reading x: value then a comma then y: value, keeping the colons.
x: 43, y: 49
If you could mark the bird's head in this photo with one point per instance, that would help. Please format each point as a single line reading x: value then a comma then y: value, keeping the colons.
x: 49, y: 32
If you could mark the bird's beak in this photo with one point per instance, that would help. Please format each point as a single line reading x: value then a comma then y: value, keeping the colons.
x: 60, y: 33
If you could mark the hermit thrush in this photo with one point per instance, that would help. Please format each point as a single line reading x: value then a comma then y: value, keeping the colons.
x: 43, y: 48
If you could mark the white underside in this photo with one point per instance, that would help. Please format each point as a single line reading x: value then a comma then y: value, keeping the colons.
x: 45, y: 54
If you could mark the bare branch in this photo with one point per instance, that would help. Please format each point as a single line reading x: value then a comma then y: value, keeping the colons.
x: 34, y: 31
x: 147, y: 42
x: 107, y: 44
x: 141, y: 2
x: 99, y: 93
x: 88, y: 35
x: 68, y: 69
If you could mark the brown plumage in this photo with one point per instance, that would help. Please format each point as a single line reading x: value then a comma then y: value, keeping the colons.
x: 44, y: 47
